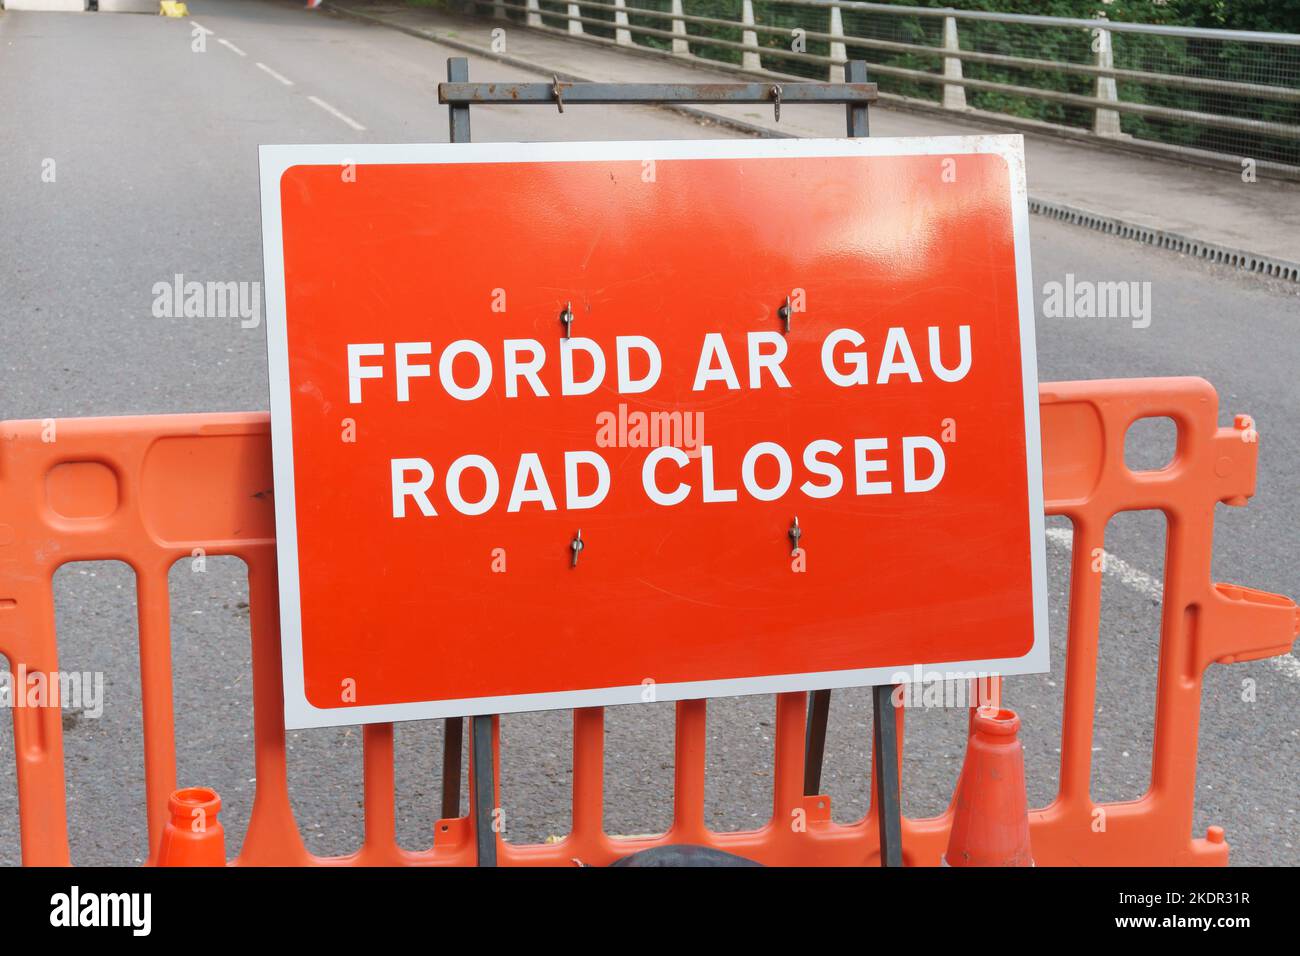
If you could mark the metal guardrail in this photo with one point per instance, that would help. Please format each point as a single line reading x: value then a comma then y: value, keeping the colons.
x: 1225, y: 96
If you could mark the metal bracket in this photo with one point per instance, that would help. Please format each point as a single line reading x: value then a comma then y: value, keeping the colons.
x: 453, y: 735
x: 784, y: 312
x: 458, y: 114
x: 884, y: 765
x: 485, y: 790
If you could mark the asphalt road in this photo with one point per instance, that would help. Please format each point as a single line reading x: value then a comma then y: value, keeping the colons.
x: 154, y: 151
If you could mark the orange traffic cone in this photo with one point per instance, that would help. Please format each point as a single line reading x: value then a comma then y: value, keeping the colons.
x: 990, y: 824
x: 193, y: 837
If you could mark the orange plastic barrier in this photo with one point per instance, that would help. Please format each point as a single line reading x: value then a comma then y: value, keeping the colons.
x: 150, y: 490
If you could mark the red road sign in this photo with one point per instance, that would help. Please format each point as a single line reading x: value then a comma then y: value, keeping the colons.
x: 440, y: 445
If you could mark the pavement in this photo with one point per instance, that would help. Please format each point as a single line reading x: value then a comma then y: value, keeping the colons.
x: 1211, y: 205
x: 155, y: 147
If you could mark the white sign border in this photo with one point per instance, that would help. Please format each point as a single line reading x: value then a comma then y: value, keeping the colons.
x: 299, y: 713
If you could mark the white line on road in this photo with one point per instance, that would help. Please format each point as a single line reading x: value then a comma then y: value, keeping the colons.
x: 279, y: 76
x: 343, y: 116
x: 1288, y: 664
x: 231, y: 47
x: 202, y: 29
x: 1135, y: 578
x: 1145, y: 584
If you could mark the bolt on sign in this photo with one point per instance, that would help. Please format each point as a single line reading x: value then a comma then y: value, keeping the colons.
x: 563, y: 425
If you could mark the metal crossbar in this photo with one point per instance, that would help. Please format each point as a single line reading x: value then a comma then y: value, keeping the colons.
x: 653, y: 94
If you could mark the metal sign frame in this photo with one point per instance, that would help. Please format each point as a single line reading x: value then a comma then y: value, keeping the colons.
x: 458, y: 94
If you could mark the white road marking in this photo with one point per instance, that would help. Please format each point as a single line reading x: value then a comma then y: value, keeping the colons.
x: 1288, y: 664
x: 202, y: 29
x: 279, y: 76
x: 1135, y: 578
x: 231, y: 47
x: 1145, y: 584
x: 343, y: 116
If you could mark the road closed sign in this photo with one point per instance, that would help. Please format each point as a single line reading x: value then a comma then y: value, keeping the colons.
x: 565, y: 425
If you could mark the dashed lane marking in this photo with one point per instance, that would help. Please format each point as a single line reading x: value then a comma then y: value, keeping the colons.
x: 279, y: 76
x: 333, y: 112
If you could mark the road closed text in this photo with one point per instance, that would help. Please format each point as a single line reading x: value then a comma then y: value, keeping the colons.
x: 474, y: 483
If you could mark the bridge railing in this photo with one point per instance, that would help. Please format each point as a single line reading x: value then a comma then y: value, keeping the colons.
x: 1229, y: 97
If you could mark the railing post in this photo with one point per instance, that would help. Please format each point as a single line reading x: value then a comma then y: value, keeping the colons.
x: 748, y: 60
x: 1105, y: 122
x: 954, y: 96
x: 575, y: 25
x: 838, y: 50
x: 534, y: 15
x: 679, y: 29
x: 498, y: 10
x: 622, y: 35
